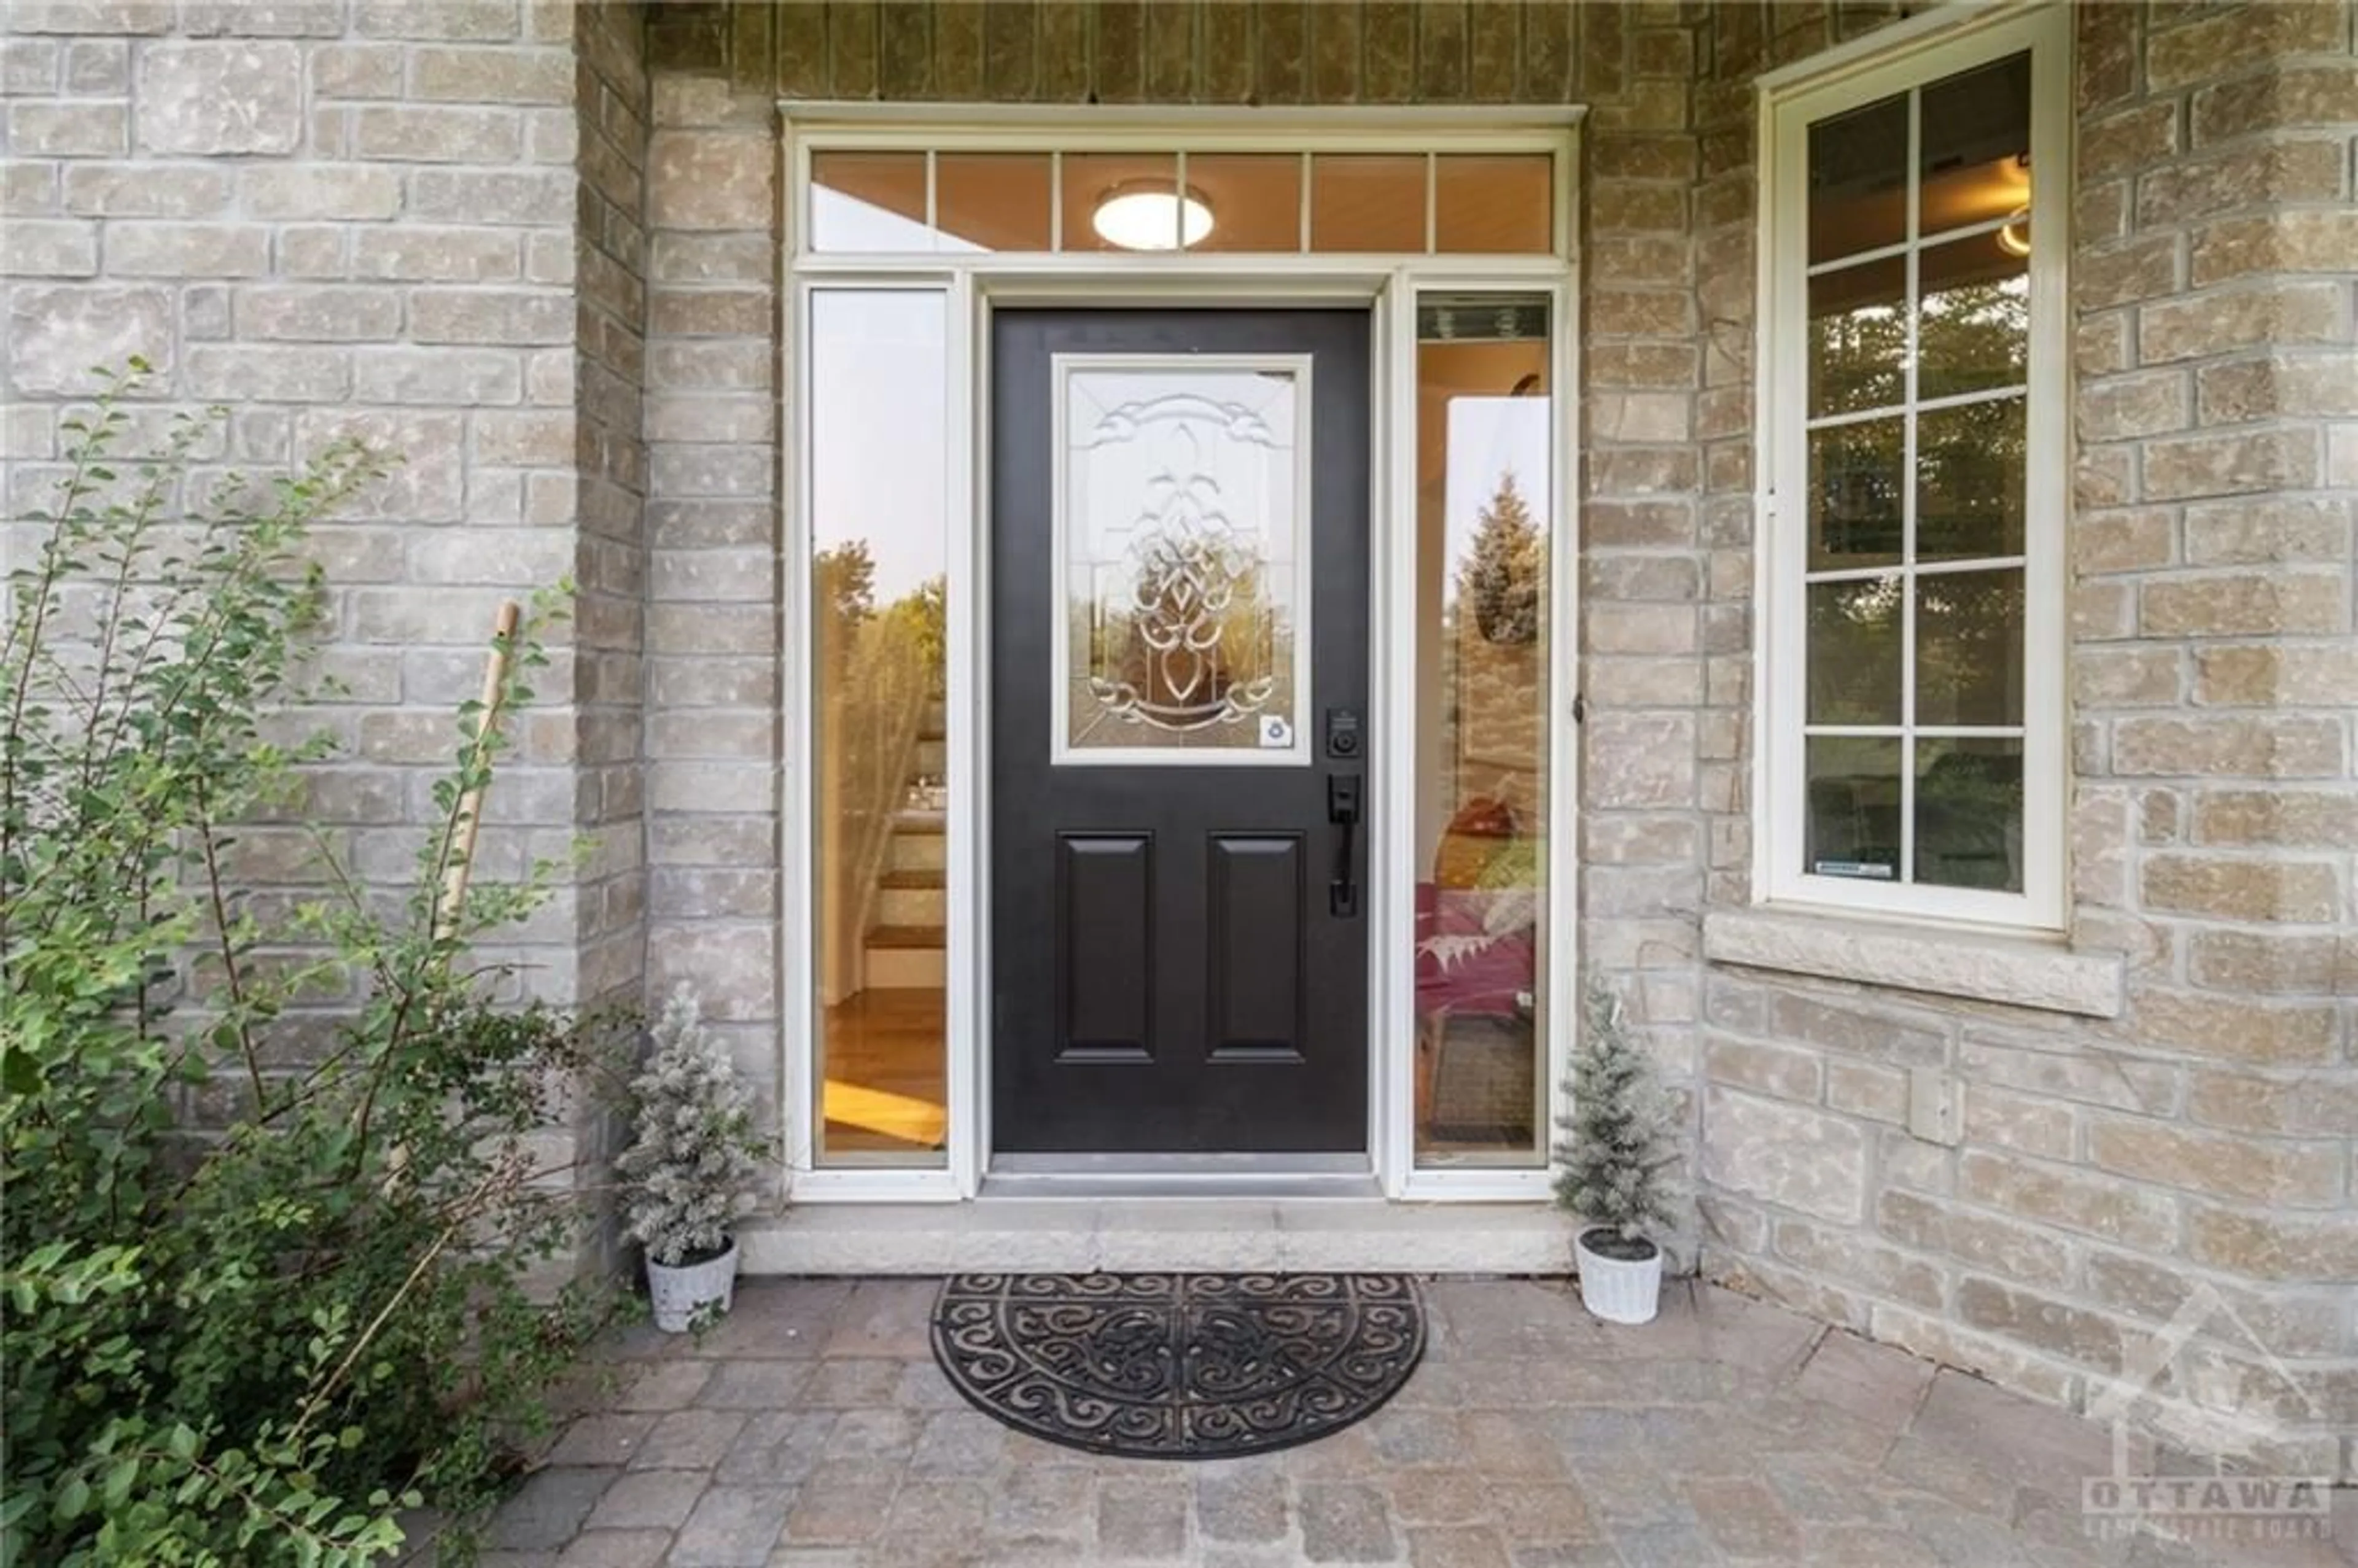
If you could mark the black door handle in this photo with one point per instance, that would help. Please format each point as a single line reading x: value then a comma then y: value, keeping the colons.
x: 1343, y: 810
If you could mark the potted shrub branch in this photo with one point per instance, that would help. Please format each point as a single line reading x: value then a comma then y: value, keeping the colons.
x: 694, y: 1168
x: 1618, y: 1166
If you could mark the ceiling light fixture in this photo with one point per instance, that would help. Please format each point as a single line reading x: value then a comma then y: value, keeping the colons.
x: 2014, y: 234
x: 1151, y: 215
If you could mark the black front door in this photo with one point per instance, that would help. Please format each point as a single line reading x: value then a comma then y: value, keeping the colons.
x: 1179, y: 668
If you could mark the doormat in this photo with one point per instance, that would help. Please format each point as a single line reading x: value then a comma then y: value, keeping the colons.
x: 1178, y: 1366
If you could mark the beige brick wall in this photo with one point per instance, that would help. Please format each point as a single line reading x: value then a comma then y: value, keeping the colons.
x: 416, y: 222
x: 2109, y: 1172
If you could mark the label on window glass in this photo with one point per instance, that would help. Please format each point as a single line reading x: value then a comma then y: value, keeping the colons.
x: 1869, y: 868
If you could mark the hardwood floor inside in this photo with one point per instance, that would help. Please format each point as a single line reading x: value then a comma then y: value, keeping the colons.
x: 887, y: 1072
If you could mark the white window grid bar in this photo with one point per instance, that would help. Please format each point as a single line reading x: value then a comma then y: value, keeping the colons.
x: 1901, y: 247
x: 1939, y: 404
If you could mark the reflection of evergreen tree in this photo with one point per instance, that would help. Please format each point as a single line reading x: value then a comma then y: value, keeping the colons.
x: 1500, y: 578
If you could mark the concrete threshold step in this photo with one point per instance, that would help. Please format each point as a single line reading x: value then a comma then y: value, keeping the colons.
x: 1134, y: 1235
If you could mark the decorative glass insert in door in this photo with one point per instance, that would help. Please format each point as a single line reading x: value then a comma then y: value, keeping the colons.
x: 1181, y: 558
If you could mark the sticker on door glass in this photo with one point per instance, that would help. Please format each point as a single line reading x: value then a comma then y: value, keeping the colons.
x: 1181, y: 530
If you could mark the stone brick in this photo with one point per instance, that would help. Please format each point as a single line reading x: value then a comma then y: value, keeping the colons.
x: 1855, y: 1089
x: 2127, y: 140
x: 2126, y: 678
x: 2244, y: 177
x: 59, y: 331
x: 137, y: 190
x: 2230, y: 888
x: 69, y: 130
x: 455, y: 377
x: 1774, y: 1070
x: 187, y: 250
x: 1857, y: 1259
x: 1786, y: 1155
x: 2074, y: 1070
x: 1887, y: 1034
x: 2058, y: 1328
x: 2297, y: 819
x: 511, y: 317
x: 2290, y: 93
x: 2285, y: 746
x: 2269, y: 315
x: 2267, y: 530
x: 2233, y: 41
x: 2313, y: 1105
x: 2125, y: 407
x: 491, y: 75
x: 305, y: 314
x: 2124, y: 1212
x: 2243, y: 1029
x: 1982, y: 1241
x: 33, y: 247
x: 2297, y: 241
x: 492, y: 196
x: 2239, y: 464
x: 311, y: 192
x: 217, y: 98
x: 2307, y: 1249
x: 273, y: 373
x: 2235, y: 1167
x: 441, y: 133
x: 2278, y: 603
x: 419, y: 254
x: 2008, y: 1121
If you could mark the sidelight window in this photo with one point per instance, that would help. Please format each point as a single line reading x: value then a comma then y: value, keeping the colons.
x: 1914, y: 455
x: 878, y: 508
x: 1486, y: 539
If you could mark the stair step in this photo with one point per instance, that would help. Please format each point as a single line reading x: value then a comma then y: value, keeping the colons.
x: 907, y: 936
x: 914, y: 877
x: 927, y: 822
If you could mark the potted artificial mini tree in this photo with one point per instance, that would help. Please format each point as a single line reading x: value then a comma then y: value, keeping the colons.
x: 694, y: 1168
x: 1618, y: 1166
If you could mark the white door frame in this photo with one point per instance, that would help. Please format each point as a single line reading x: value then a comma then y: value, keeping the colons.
x: 975, y: 285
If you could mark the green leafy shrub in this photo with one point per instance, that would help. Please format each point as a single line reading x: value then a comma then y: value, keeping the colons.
x: 263, y: 1262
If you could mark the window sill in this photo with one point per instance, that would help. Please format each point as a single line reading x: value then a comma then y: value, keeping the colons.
x: 2019, y: 971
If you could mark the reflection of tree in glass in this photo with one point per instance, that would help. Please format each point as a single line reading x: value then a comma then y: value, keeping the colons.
x: 1186, y: 639
x: 1499, y: 578
x: 843, y: 581
x: 1855, y: 652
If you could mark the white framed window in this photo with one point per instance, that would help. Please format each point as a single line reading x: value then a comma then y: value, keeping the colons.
x: 1914, y: 463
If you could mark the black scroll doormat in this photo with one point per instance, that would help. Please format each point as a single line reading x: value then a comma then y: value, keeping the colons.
x: 1178, y: 1366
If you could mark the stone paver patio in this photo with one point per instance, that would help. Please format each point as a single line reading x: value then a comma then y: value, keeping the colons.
x: 812, y: 1429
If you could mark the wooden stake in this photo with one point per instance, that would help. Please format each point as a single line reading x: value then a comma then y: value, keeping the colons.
x: 470, y: 804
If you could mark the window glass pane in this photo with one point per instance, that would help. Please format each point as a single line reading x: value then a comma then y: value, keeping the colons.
x: 1255, y: 199
x: 1858, y: 181
x: 869, y: 201
x: 1969, y: 647
x: 1969, y: 813
x: 1496, y: 206
x: 1483, y: 432
x: 1976, y: 142
x: 879, y: 527
x: 1367, y: 202
x: 1973, y: 328
x: 1858, y: 337
x: 1855, y: 495
x: 993, y: 201
x: 1852, y: 826
x: 1179, y: 558
x: 1855, y: 641
x: 1122, y: 201
x: 1970, y: 480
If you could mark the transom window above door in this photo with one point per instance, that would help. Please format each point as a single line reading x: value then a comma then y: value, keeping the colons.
x: 936, y: 201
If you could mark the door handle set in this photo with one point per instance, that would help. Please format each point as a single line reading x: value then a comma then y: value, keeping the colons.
x: 1343, y: 810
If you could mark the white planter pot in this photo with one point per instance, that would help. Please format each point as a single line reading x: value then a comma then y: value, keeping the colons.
x: 1616, y: 1289
x: 678, y: 1295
